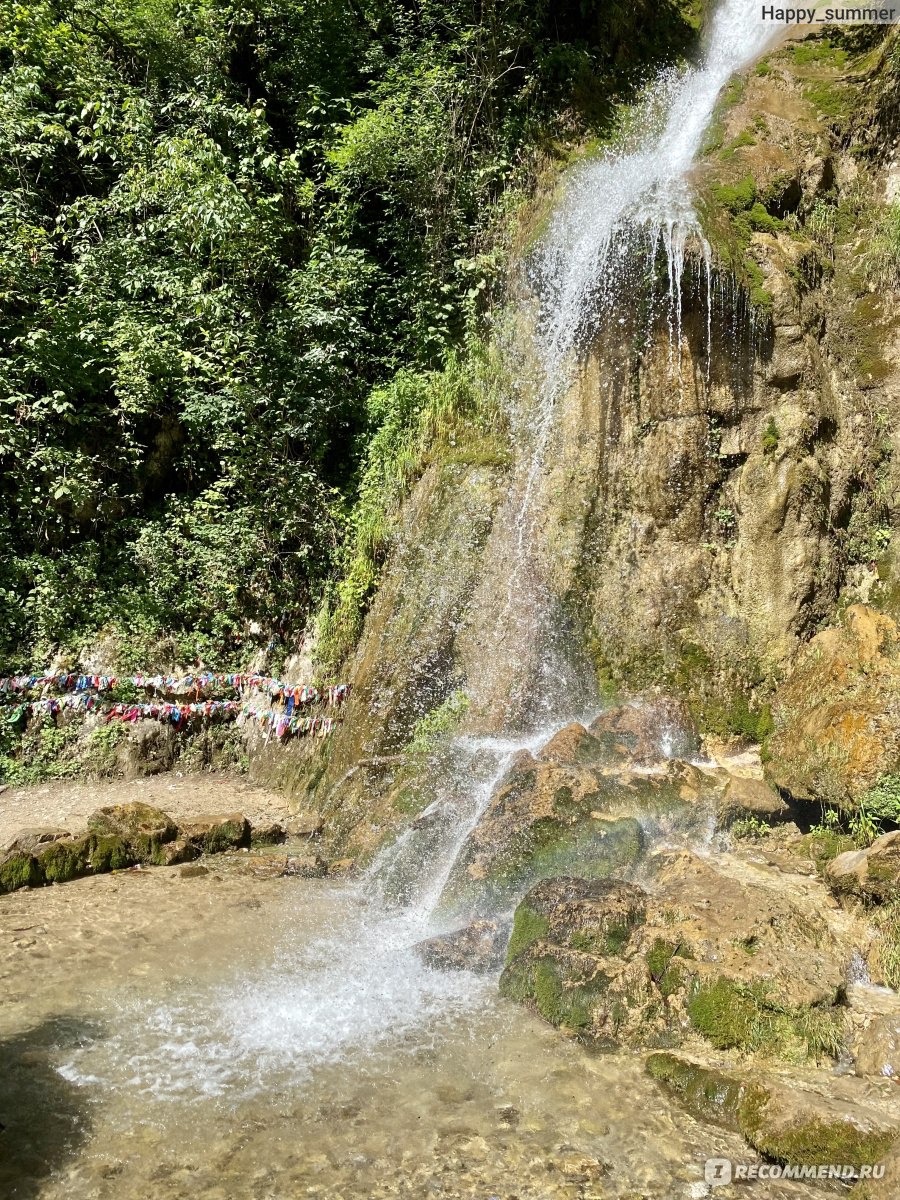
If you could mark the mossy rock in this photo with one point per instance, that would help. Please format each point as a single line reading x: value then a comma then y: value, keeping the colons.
x: 591, y: 848
x: 748, y: 1017
x: 19, y: 870
x: 592, y: 916
x: 707, y: 1094
x: 215, y: 834
x: 784, y: 1123
x: 66, y: 859
x: 110, y: 853
x: 561, y: 986
x: 144, y: 828
x: 808, y: 1137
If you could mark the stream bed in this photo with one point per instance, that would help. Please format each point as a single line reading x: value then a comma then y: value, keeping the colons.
x: 229, y: 1036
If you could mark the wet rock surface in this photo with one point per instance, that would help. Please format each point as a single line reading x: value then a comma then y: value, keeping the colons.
x: 479, y: 947
x: 872, y: 872
x: 726, y: 954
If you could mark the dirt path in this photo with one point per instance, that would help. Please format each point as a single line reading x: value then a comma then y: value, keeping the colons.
x: 68, y: 804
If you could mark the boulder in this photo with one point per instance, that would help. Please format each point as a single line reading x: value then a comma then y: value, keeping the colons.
x: 835, y: 1122
x: 750, y: 798
x: 872, y: 873
x: 213, y: 834
x: 27, y: 840
x: 794, y: 1125
x: 837, y: 716
x: 182, y: 850
x: 652, y: 727
x: 144, y: 828
x: 268, y: 833
x: 66, y: 858
x: 305, y: 824
x: 548, y: 818
x: 878, y: 1051
x: 744, y: 965
x: 573, y: 745
x: 306, y: 866
x: 478, y: 947
x: 19, y: 868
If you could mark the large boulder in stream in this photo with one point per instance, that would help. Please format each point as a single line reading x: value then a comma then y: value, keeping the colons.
x: 141, y: 827
x: 820, y: 1121
x: 478, y: 947
x: 728, y: 956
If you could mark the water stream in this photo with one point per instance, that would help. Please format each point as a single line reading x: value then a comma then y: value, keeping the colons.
x: 311, y: 1052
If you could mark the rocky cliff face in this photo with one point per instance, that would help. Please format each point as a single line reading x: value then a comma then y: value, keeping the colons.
x: 713, y: 490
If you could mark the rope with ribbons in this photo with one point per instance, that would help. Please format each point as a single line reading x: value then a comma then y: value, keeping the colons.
x: 81, y: 694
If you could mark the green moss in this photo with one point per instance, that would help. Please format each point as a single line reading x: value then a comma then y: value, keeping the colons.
x: 20, y: 870
x: 564, y: 998
x: 744, y: 138
x: 65, y: 860
x: 770, y: 438
x: 110, y: 853
x: 809, y: 1142
x: 821, y: 52
x: 667, y: 975
x: 735, y: 197
x: 746, y: 1017
x: 437, y: 725
x: 528, y: 927
x: 707, y: 1094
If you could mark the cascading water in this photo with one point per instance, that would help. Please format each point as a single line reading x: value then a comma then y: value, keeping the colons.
x: 362, y: 982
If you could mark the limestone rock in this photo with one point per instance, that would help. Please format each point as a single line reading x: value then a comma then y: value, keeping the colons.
x: 651, y: 727
x: 573, y: 745
x: 194, y: 871
x: 306, y: 866
x: 478, y: 947
x: 306, y: 825
x: 148, y: 749
x: 66, y: 858
x: 549, y: 818
x: 19, y: 868
x: 834, y: 1122
x: 268, y: 834
x: 792, y: 1125
x: 837, y: 717
x: 878, y: 1052
x: 180, y: 851
x: 27, y: 840
x: 213, y: 834
x: 872, y: 873
x: 746, y: 966
x: 745, y: 797
x: 146, y: 829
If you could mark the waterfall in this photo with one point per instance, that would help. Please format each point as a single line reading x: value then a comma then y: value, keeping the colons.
x: 361, y: 982
x: 618, y: 213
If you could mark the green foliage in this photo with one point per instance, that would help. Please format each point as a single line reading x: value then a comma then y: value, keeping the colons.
x: 770, y: 438
x: 749, y: 829
x: 432, y: 730
x: 882, y: 800
x: 223, y: 229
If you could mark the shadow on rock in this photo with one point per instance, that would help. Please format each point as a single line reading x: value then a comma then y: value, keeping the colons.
x: 44, y: 1118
